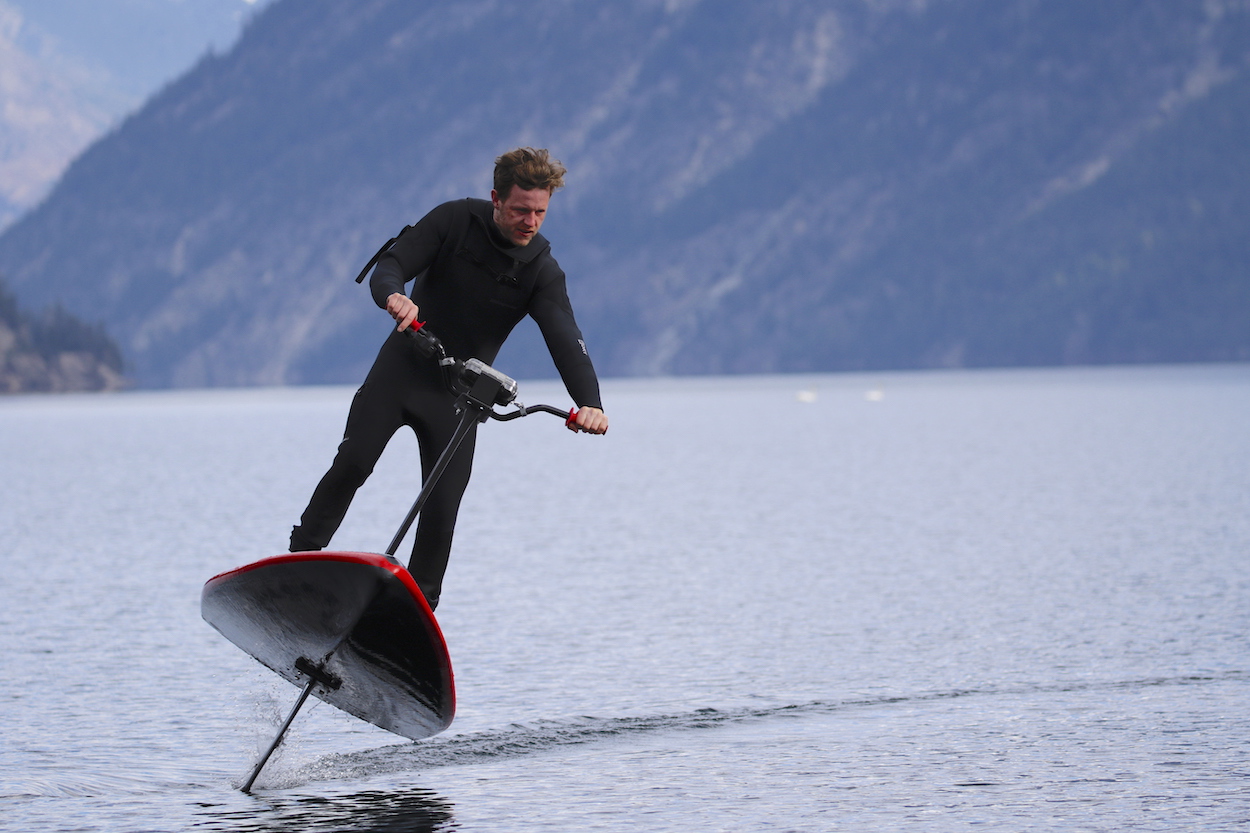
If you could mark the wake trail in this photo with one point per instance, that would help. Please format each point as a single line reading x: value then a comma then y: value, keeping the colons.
x: 531, y: 738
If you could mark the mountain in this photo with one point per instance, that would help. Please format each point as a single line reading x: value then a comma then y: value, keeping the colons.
x: 794, y: 186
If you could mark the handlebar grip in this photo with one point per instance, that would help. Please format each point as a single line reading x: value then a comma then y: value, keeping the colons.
x: 425, y: 341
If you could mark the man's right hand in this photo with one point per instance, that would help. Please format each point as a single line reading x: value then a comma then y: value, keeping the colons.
x: 402, y: 309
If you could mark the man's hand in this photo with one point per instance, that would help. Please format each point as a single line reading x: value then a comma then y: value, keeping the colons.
x: 402, y: 309
x: 591, y: 420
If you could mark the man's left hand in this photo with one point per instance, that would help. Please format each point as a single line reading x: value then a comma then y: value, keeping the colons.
x: 591, y: 420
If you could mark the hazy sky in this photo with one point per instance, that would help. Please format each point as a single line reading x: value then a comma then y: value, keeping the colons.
x: 74, y: 68
x: 140, y: 44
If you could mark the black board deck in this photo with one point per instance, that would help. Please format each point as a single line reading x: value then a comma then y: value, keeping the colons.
x: 359, y: 619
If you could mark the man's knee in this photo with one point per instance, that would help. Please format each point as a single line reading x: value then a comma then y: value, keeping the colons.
x: 353, y: 473
x: 353, y: 464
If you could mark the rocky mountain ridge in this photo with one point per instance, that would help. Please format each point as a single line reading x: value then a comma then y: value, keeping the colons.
x: 806, y: 186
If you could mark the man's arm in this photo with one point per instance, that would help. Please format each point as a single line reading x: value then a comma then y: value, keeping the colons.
x: 552, y: 311
x: 412, y: 254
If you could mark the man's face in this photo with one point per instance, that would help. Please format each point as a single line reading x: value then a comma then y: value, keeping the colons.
x: 521, y: 215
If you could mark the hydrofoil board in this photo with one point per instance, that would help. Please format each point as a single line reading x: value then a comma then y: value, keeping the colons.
x: 355, y: 622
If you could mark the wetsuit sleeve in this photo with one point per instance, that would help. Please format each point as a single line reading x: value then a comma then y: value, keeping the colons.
x: 413, y: 253
x: 551, y: 309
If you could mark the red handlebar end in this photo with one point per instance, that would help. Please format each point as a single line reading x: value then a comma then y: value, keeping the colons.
x: 568, y: 423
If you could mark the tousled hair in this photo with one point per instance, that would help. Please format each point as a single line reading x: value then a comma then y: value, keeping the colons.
x: 528, y: 168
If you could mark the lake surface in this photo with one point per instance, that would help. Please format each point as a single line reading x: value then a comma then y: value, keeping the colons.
x: 1001, y: 600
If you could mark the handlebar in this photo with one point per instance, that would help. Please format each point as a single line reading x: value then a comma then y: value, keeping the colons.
x: 476, y: 383
x: 568, y: 416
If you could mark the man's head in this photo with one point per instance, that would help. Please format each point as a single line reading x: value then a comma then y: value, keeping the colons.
x: 524, y: 181
x: 529, y: 169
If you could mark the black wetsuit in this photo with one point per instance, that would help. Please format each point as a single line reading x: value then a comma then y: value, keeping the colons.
x: 472, y: 288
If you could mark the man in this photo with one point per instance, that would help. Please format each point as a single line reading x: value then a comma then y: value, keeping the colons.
x: 479, y: 268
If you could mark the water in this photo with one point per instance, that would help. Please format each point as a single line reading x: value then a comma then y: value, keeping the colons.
x: 923, y: 601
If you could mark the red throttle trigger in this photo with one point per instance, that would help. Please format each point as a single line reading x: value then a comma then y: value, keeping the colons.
x: 568, y: 423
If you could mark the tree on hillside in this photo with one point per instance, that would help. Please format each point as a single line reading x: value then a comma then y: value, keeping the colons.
x: 54, y: 351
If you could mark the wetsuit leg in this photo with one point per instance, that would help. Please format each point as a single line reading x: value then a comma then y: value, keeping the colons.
x: 376, y: 413
x: 434, y: 421
x: 402, y: 389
